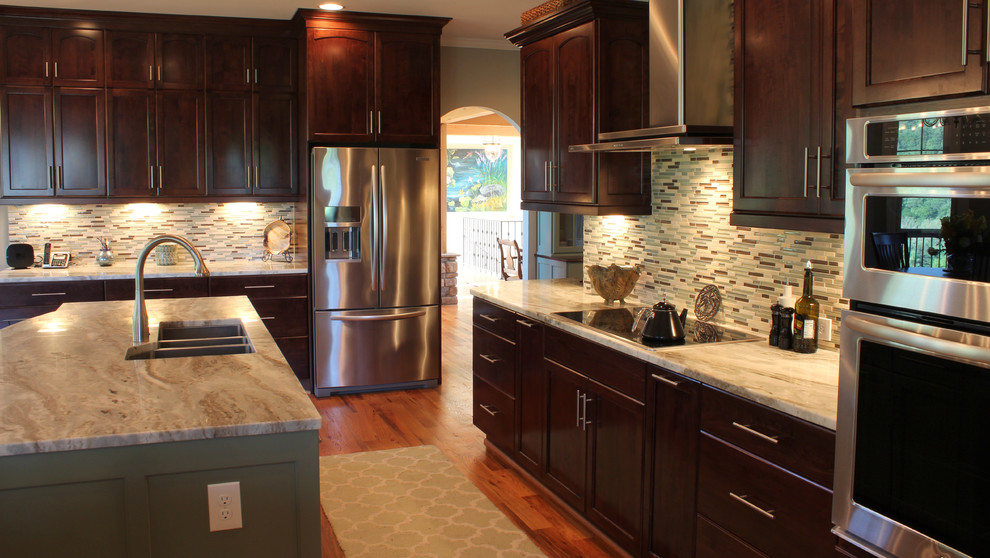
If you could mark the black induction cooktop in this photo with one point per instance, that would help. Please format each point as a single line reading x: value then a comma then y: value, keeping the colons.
x: 627, y: 323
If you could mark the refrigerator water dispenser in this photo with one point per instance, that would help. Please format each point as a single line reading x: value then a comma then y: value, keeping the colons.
x: 342, y: 230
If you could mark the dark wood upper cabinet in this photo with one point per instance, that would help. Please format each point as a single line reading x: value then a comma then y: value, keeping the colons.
x: 80, y: 142
x: 407, y: 87
x: 131, y: 143
x: 917, y: 49
x: 583, y: 72
x: 26, y: 128
x: 181, y: 143
x: 274, y: 148
x: 246, y: 64
x: 340, y: 84
x: 373, y: 80
x: 229, y: 166
x: 43, y: 56
x: 180, y: 61
x: 130, y: 59
x: 155, y: 60
x: 784, y: 73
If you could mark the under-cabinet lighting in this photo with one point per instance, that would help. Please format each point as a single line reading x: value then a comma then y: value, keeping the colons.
x: 48, y: 212
x: 690, y: 149
x: 332, y: 7
x: 243, y: 210
x: 145, y: 209
x: 615, y: 223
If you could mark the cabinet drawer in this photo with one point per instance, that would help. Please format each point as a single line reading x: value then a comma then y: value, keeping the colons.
x: 259, y: 286
x: 495, y: 360
x: 614, y: 369
x: 160, y: 287
x: 284, y: 317
x: 494, y: 414
x: 775, y: 511
x: 714, y: 542
x: 497, y: 320
x: 796, y: 445
x: 50, y: 293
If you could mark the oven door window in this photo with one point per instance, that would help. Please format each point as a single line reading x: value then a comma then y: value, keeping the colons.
x: 923, y: 444
x: 932, y: 236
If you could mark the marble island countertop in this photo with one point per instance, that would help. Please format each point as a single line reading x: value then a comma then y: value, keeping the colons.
x: 64, y: 383
x: 805, y: 386
x: 124, y: 269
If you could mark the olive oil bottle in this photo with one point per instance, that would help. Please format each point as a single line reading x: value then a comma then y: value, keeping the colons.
x: 806, y: 316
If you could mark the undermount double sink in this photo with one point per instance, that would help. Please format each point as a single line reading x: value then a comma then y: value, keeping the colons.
x: 192, y: 339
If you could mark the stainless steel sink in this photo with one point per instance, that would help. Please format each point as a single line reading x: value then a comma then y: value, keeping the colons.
x: 191, y: 339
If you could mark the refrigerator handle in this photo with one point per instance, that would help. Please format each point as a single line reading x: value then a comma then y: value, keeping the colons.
x: 374, y: 227
x: 384, y: 226
x: 379, y: 317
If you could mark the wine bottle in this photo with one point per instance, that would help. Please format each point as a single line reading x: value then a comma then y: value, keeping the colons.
x: 806, y: 316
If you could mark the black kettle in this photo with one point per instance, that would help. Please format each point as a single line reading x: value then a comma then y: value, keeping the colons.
x: 664, y: 326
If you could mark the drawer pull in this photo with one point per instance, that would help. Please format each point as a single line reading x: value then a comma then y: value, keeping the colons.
x: 667, y: 381
x: 489, y: 317
x: 487, y: 409
x: 263, y: 318
x: 489, y: 359
x: 47, y: 294
x: 259, y: 286
x: 751, y: 505
x: 744, y: 428
x: 526, y: 323
x: 158, y: 290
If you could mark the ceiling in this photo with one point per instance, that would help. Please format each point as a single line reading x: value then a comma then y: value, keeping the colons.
x: 475, y: 23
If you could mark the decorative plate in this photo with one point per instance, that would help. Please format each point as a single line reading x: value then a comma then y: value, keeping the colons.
x: 708, y: 303
x: 278, y: 238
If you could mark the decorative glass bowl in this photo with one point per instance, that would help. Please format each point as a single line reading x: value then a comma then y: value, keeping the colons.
x: 613, y: 282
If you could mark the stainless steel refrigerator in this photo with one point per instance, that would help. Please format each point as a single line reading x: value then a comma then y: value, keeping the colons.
x: 375, y: 256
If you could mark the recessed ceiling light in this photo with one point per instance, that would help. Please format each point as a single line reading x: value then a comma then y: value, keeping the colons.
x: 332, y: 7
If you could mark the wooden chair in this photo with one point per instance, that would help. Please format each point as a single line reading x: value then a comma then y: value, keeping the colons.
x: 510, y: 257
x: 892, y: 250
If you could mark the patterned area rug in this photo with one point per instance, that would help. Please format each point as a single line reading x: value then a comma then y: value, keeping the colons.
x: 413, y: 502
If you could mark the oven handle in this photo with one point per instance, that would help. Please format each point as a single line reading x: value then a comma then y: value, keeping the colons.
x: 894, y: 334
x: 928, y: 178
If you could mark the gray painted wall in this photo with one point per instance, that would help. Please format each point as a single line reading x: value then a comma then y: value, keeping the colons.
x: 475, y: 77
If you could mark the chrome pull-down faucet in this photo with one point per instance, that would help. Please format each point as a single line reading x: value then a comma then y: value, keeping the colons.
x: 140, y: 329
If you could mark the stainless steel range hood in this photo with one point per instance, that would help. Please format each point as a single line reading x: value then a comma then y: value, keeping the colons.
x: 691, y: 45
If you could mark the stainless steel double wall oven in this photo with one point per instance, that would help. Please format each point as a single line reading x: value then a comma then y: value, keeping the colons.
x: 913, y: 429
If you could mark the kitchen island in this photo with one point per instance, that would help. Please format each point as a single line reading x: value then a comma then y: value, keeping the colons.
x: 102, y: 456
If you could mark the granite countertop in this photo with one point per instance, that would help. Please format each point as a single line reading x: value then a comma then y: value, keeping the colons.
x: 805, y: 386
x: 64, y: 383
x: 125, y: 270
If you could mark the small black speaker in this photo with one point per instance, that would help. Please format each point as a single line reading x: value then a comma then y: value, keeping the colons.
x: 20, y: 256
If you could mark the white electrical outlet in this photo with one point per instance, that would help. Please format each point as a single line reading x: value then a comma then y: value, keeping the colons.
x: 824, y: 329
x: 224, y: 505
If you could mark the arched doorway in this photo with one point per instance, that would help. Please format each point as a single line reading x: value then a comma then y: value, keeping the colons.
x: 483, y: 176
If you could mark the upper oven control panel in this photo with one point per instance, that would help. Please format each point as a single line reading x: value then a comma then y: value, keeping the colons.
x: 950, y: 135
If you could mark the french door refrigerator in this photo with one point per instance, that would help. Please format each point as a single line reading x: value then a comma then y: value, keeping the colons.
x: 375, y: 256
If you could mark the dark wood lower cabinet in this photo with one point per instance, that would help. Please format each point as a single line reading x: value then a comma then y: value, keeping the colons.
x: 531, y: 397
x: 160, y: 287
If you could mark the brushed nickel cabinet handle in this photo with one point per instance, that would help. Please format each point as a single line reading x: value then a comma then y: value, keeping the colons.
x: 256, y: 75
x: 371, y: 121
x: 752, y: 506
x: 577, y: 410
x: 264, y: 318
x: 256, y: 173
x: 151, y: 73
x: 988, y: 34
x: 818, y: 180
x: 526, y: 323
x: 46, y: 69
x: 247, y: 75
x: 667, y: 381
x: 47, y: 294
x: 151, y: 177
x: 584, y: 413
x: 379, y: 122
x: 61, y: 178
x: 159, y: 72
x: 488, y: 409
x: 161, y: 173
x: 965, y: 29
x: 249, y: 176
x: 744, y: 428
x: 259, y: 286
x: 489, y: 317
x: 51, y: 173
x: 56, y: 69
x: 804, y: 183
x: 489, y: 359
x: 158, y: 290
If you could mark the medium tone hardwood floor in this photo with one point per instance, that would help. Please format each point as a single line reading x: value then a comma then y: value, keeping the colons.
x: 442, y: 417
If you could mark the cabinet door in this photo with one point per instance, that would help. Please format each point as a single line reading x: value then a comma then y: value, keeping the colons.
x: 407, y: 81
x: 132, y: 161
x: 80, y: 142
x: 228, y: 169
x: 574, y: 71
x: 228, y: 63
x: 916, y: 49
x: 130, y: 59
x: 674, y: 408
x: 275, y: 65
x: 26, y: 56
x: 181, y: 143
x: 531, y: 396
x: 26, y: 129
x: 275, y: 144
x: 537, y: 119
x: 567, y: 447
x: 778, y: 80
x: 180, y: 61
x: 617, y: 425
x: 77, y: 57
x: 339, y: 64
